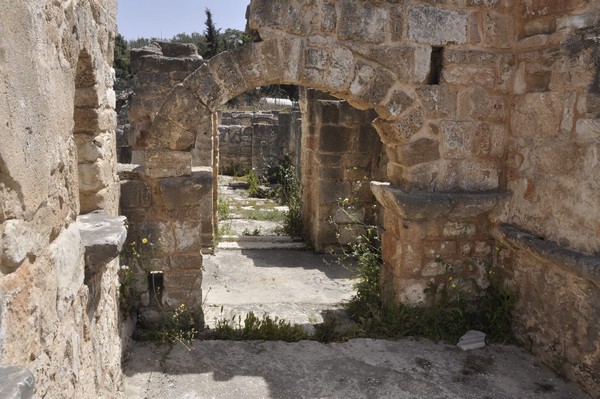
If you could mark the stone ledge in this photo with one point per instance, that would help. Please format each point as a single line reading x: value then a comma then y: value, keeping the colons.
x: 584, y: 266
x: 130, y: 171
x: 432, y: 205
x: 16, y: 383
x: 103, y: 237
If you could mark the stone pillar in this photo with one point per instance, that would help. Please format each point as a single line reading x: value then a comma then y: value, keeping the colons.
x: 341, y: 154
x: 425, y: 231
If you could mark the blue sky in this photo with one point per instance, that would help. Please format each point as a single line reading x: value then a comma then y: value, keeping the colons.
x: 166, y: 18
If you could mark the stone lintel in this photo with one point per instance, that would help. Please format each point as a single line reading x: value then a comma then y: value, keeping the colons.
x: 433, y: 205
x: 103, y: 237
x: 17, y: 382
x: 582, y: 265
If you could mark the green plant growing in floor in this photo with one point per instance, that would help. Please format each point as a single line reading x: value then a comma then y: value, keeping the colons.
x: 252, y: 328
x: 253, y: 183
x: 179, y: 325
x: 254, y: 233
x: 454, y: 304
x: 223, y: 209
x: 289, y: 192
x: 129, y: 296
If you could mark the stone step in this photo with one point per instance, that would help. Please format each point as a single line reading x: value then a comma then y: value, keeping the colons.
x: 261, y: 238
x: 225, y: 245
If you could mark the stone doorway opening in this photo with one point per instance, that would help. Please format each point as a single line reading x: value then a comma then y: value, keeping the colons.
x: 334, y: 152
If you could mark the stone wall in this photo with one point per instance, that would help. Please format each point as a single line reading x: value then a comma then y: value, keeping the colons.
x: 488, y: 113
x: 342, y: 154
x: 257, y: 140
x: 167, y: 196
x: 550, y: 227
x: 58, y: 298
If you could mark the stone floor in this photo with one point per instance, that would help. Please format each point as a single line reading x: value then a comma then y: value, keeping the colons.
x: 300, y: 286
x: 251, y: 223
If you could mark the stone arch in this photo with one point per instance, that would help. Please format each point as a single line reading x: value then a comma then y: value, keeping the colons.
x: 178, y: 149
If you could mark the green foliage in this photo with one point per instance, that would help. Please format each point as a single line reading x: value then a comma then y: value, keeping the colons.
x: 223, y: 209
x: 454, y: 304
x: 253, y: 183
x: 211, y: 34
x: 121, y: 58
x: 181, y: 326
x: 289, y: 192
x: 254, y: 233
x: 253, y: 328
x: 129, y: 296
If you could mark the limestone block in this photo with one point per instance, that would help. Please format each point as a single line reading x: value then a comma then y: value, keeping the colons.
x: 166, y: 163
x: 459, y: 230
x: 287, y: 15
x: 294, y: 50
x: 420, y: 151
x: 19, y: 240
x: 327, y: 68
x: 181, y: 117
x: 17, y: 383
x: 437, y: 26
x: 186, y: 262
x: 587, y: 130
x: 88, y: 96
x: 183, y: 281
x: 437, y: 101
x: 182, y: 192
x: 103, y: 237
x: 458, y: 138
x: 93, y: 177
x: 411, y: 291
x: 67, y: 254
x: 402, y: 130
x: 187, y: 234
x: 538, y: 114
x: 159, y: 234
x: 498, y: 29
x: 410, y: 63
x: 362, y: 24
x: 540, y: 26
x: 259, y: 63
x: 90, y: 148
x: 478, y: 104
x: 224, y: 67
x: 90, y: 120
x: 489, y: 140
x: 478, y: 175
x: 203, y: 84
x: 399, y: 101
x: 335, y: 139
x: 466, y: 75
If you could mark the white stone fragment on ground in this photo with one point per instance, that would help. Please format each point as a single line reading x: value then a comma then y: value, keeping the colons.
x: 472, y: 340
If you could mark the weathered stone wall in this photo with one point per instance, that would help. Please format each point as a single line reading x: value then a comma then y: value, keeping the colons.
x: 167, y: 196
x: 58, y: 306
x: 474, y: 99
x: 257, y: 140
x: 553, y: 171
x: 342, y: 154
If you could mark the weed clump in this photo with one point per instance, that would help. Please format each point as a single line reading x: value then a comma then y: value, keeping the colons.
x: 254, y: 328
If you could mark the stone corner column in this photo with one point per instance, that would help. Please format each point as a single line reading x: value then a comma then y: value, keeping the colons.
x: 422, y: 228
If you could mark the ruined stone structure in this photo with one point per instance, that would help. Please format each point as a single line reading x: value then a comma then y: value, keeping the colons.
x: 58, y: 266
x: 341, y: 154
x: 257, y: 140
x: 488, y: 113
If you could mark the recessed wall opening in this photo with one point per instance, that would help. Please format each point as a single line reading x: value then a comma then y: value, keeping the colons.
x: 436, y: 65
x: 155, y: 288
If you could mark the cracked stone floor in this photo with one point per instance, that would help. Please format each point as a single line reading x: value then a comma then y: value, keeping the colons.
x: 301, y: 286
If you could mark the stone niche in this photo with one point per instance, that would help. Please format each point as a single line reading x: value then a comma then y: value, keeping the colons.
x: 58, y: 188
